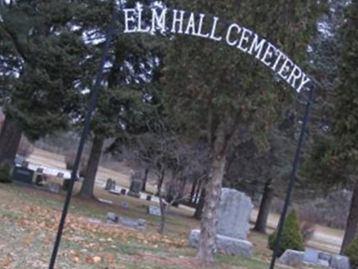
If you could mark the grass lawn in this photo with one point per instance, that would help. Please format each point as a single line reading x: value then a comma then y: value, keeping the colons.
x: 29, y: 219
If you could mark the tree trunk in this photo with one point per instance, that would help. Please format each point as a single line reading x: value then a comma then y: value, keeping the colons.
x: 87, y: 189
x: 198, y: 192
x: 163, y: 212
x: 199, y: 208
x: 265, y: 206
x: 352, y: 221
x: 10, y: 138
x: 145, y: 179
x: 160, y: 182
x: 193, y: 188
x: 183, y: 187
x: 210, y: 213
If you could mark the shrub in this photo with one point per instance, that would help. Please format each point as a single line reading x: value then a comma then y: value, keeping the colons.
x: 291, y: 237
x: 352, y: 253
x: 5, y: 173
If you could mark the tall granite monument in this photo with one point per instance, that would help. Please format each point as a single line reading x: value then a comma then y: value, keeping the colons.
x: 233, y: 224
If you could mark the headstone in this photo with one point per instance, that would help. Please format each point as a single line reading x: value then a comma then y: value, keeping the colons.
x: 311, y: 256
x: 325, y: 257
x: 124, y: 205
x: 135, y: 188
x: 115, y: 192
x: 133, y: 223
x: 292, y: 258
x: 110, y: 184
x: 54, y: 187
x: 112, y: 218
x: 233, y: 224
x: 172, y: 196
x: 149, y: 198
x: 323, y: 263
x: 94, y: 221
x: 234, y: 214
x: 340, y: 262
x: 325, y: 260
x: 140, y: 224
x: 40, y: 170
x: 154, y: 211
x: 108, y: 202
x: 225, y: 245
x: 123, y: 191
x: 66, y: 184
x: 19, y: 160
x: 23, y: 174
x: 39, y: 179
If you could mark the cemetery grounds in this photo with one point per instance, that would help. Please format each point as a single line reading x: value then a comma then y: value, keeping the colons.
x: 29, y: 219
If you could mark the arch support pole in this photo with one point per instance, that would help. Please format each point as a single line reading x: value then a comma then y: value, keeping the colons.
x: 84, y: 135
x: 295, y: 167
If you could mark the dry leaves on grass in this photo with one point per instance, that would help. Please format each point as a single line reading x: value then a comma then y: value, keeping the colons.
x: 6, y: 261
x: 85, y: 232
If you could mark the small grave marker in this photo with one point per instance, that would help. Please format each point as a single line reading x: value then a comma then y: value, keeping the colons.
x: 40, y: 170
x: 115, y: 192
x: 154, y: 211
x: 54, y: 187
x: 124, y: 205
x: 23, y: 174
x: 311, y: 256
x: 123, y: 191
x: 39, y: 179
x: 66, y: 184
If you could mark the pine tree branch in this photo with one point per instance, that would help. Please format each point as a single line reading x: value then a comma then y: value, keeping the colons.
x: 20, y: 50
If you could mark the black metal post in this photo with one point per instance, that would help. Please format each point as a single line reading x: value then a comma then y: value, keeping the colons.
x: 291, y: 184
x: 84, y: 135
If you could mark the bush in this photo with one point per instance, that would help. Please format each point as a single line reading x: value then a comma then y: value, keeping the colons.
x: 5, y: 174
x: 352, y: 253
x: 291, y: 237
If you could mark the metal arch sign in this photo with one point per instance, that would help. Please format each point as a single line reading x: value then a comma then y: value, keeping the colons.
x: 167, y: 21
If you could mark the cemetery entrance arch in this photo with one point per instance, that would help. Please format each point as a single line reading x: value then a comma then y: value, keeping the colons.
x: 170, y: 22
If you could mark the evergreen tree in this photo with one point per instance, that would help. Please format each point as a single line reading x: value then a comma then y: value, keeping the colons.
x: 352, y: 253
x: 217, y: 93
x: 333, y: 158
x: 123, y: 107
x: 125, y: 100
x: 42, y: 53
x: 291, y: 236
x: 345, y: 117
